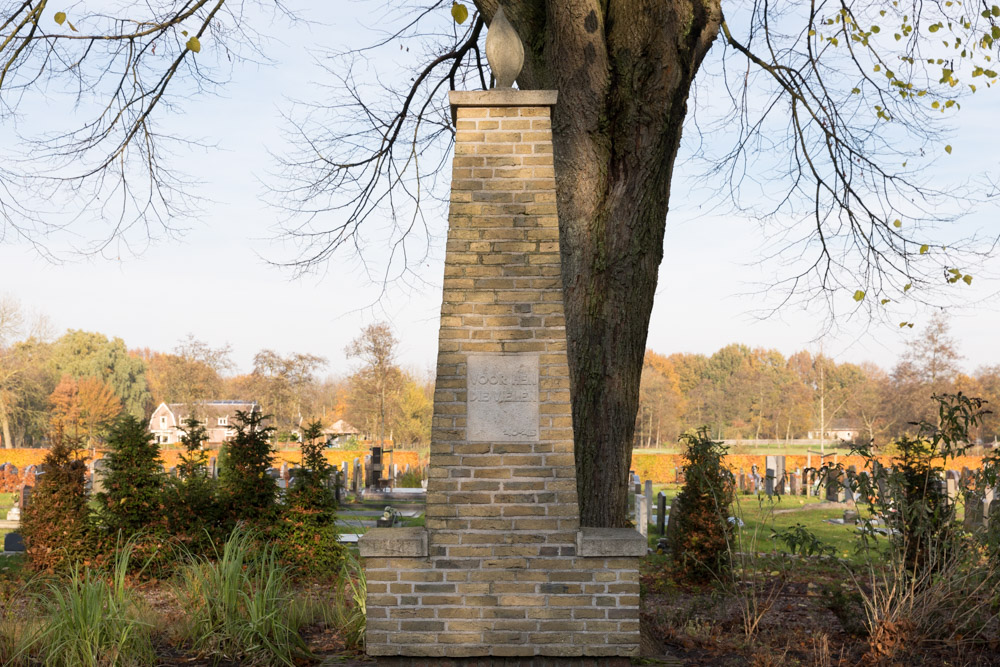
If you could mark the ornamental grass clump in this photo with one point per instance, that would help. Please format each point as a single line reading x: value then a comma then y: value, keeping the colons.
x: 240, y: 606
x: 94, y: 620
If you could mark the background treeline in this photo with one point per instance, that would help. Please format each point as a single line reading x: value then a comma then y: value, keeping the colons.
x: 754, y: 393
x: 87, y: 380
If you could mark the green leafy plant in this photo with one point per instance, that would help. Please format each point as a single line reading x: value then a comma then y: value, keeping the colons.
x: 928, y: 581
x: 798, y: 539
x: 55, y: 523
x: 701, y: 532
x: 240, y: 605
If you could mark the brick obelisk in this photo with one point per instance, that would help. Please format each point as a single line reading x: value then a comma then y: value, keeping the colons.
x: 502, y: 567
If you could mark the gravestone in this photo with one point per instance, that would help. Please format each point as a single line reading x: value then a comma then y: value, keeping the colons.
x: 769, y: 481
x: 99, y: 470
x: 648, y: 494
x: 775, y: 465
x: 213, y: 470
x: 284, y: 470
x: 661, y: 512
x: 642, y: 515
x: 834, y: 486
x: 503, y: 567
x: 793, y: 484
x: 25, y: 500
x: 344, y: 476
x: 13, y: 542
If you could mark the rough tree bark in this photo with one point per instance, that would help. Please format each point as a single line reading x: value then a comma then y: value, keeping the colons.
x: 623, y: 69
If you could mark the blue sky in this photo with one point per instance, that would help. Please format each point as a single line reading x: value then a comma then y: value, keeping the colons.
x: 206, y: 282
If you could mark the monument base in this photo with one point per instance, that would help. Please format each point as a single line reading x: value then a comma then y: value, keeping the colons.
x: 580, y: 601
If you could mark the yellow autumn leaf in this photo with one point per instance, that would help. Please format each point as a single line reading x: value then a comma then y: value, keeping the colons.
x: 859, y: 295
x: 967, y: 279
x: 194, y: 44
x: 459, y: 12
x: 924, y: 248
x: 59, y: 17
x: 897, y: 223
x: 947, y: 149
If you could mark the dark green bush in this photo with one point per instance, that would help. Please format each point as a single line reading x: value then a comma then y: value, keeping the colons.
x: 131, y: 506
x: 194, y: 515
x: 55, y: 524
x: 700, y: 533
x: 132, y: 500
x: 248, y: 491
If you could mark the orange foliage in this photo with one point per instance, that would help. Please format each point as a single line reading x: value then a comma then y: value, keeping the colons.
x: 661, y: 468
x: 171, y: 457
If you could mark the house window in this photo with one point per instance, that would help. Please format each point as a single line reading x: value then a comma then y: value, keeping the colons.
x: 223, y: 421
x: 163, y: 422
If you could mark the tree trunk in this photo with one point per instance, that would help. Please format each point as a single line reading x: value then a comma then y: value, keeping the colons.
x: 8, y: 443
x: 623, y: 69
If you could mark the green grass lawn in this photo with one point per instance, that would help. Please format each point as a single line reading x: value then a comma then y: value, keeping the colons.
x: 762, y: 517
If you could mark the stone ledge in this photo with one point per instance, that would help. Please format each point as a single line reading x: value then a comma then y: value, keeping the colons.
x: 394, y: 543
x: 502, y: 97
x: 610, y: 543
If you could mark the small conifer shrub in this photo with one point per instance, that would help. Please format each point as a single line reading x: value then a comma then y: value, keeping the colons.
x: 700, y: 539
x: 248, y: 489
x: 55, y: 523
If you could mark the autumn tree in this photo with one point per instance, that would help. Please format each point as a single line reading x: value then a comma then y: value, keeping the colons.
x: 82, y: 354
x: 928, y: 367
x: 377, y: 382
x: 84, y: 408
x: 661, y: 402
x: 191, y: 374
x: 282, y: 383
x: 837, y: 106
x: 25, y: 380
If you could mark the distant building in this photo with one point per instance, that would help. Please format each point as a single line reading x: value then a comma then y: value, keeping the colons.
x: 216, y: 416
x: 838, y: 430
x: 339, y: 432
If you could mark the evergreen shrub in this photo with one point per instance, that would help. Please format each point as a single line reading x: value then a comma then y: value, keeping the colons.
x: 701, y: 532
x: 55, y: 523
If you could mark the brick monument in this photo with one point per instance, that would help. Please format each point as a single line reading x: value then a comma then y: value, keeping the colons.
x: 502, y: 567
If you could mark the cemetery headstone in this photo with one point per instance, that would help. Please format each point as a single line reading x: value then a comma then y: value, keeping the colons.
x: 13, y: 542
x: 642, y: 515
x: 648, y: 494
x: 25, y: 499
x: 97, y: 476
x: 661, y: 512
x: 213, y: 470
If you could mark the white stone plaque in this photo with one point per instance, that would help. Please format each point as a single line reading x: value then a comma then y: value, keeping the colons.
x: 502, y: 398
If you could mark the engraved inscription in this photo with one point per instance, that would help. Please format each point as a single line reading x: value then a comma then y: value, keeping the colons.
x: 502, y: 398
